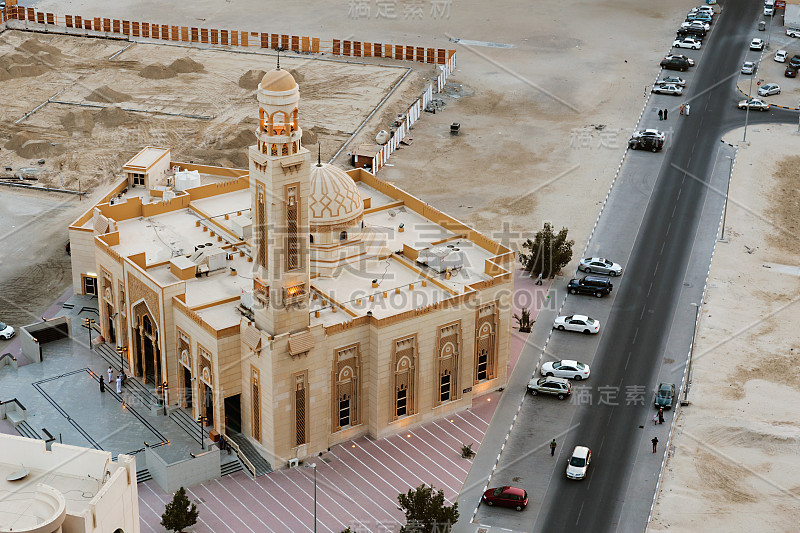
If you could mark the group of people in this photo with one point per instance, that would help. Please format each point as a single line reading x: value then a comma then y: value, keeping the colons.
x: 664, y: 113
x: 120, y: 380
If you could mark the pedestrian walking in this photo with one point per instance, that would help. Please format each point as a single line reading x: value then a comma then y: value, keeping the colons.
x: 660, y: 415
x: 110, y: 375
x: 682, y: 108
x: 102, y: 384
x: 539, y: 279
x: 119, y: 384
x: 655, y: 419
x: 660, y: 115
x: 654, y: 440
x: 665, y: 113
x: 553, y: 447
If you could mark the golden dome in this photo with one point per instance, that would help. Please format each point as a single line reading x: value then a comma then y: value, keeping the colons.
x: 277, y: 81
x: 335, y: 202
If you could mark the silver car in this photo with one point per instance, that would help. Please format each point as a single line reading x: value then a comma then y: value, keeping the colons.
x: 748, y: 67
x: 668, y: 88
x: 768, y: 89
x: 600, y: 265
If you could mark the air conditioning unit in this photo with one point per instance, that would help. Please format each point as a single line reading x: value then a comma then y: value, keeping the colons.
x: 294, y: 463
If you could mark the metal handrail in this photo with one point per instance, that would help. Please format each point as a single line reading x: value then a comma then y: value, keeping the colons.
x: 245, y: 461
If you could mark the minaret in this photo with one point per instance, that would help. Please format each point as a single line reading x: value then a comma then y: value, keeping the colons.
x: 280, y: 186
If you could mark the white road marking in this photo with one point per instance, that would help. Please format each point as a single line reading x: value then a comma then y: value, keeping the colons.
x: 238, y: 500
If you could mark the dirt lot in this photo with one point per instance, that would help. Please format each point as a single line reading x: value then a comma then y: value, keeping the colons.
x: 734, y: 465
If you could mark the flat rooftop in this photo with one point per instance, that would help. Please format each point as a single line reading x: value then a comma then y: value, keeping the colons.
x: 146, y: 158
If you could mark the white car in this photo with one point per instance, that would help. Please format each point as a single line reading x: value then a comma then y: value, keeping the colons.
x: 6, y: 331
x: 769, y: 11
x: 703, y: 9
x: 793, y: 33
x: 675, y: 80
x: 768, y: 89
x: 579, y: 323
x: 566, y: 369
x: 780, y: 56
x: 757, y: 44
x: 687, y: 42
x: 601, y: 265
x: 755, y: 104
x: 668, y: 88
x: 578, y: 463
x: 748, y: 67
x: 697, y: 24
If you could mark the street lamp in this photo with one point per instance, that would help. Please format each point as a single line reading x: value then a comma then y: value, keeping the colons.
x: 747, y: 103
x: 89, y: 322
x: 201, y: 419
x: 121, y: 350
x: 314, y: 466
x: 164, y: 396
x: 685, y: 400
x: 727, y: 189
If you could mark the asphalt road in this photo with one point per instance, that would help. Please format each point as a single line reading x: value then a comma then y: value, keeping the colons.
x: 630, y: 351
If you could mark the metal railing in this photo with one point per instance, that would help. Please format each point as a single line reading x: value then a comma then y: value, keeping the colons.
x: 235, y: 447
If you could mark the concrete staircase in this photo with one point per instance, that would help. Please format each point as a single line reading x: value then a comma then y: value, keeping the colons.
x: 260, y: 464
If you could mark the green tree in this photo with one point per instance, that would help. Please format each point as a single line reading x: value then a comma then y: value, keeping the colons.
x: 549, y: 252
x: 426, y: 511
x: 178, y: 515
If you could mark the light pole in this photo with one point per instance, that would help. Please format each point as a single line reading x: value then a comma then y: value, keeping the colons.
x: 89, y: 322
x: 727, y: 189
x: 121, y: 351
x: 314, y: 466
x: 164, y: 396
x: 769, y: 30
x: 747, y: 103
x: 685, y: 400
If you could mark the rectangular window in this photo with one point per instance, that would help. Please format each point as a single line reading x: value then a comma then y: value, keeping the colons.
x: 483, y: 363
x: 138, y: 179
x: 300, y: 413
x: 444, y: 388
x: 344, y: 412
x: 292, y: 223
x: 402, y: 402
x: 90, y: 285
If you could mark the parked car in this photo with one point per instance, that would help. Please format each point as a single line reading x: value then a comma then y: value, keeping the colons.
x: 687, y: 42
x: 768, y: 89
x: 702, y: 9
x: 578, y: 463
x: 697, y: 24
x: 769, y: 11
x: 581, y: 323
x: 681, y: 56
x: 790, y: 72
x: 697, y: 31
x: 748, y: 67
x: 558, y: 387
x: 795, y: 61
x: 793, y: 33
x: 675, y: 63
x: 757, y: 44
x: 702, y: 17
x: 675, y: 80
x: 668, y: 88
x: 6, y: 331
x: 601, y: 265
x: 596, y: 285
x: 780, y: 56
x: 754, y: 104
x: 566, y: 369
x: 665, y: 395
x: 513, y: 497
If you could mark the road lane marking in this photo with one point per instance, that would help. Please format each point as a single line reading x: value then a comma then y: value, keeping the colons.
x: 628, y: 360
x: 636, y: 333
x: 578, y: 520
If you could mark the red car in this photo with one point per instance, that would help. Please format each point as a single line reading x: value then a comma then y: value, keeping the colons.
x: 506, y: 497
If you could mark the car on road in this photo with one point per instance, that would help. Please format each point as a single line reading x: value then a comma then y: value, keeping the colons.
x: 790, y: 72
x: 675, y: 64
x: 6, y: 331
x: 601, y: 265
x: 675, y: 80
x: 668, y: 88
x: 696, y: 24
x: 795, y: 61
x: 748, y: 67
x: 596, y: 285
x: 508, y: 496
x: 681, y: 56
x: 757, y: 44
x: 654, y: 144
x: 578, y: 463
x: 566, y: 369
x: 754, y: 104
x: 793, y: 33
x: 558, y: 387
x: 665, y: 396
x: 581, y: 323
x: 687, y: 42
x: 768, y: 89
x: 769, y: 11
x: 780, y: 56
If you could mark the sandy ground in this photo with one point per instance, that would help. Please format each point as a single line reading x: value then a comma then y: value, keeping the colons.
x: 733, y: 465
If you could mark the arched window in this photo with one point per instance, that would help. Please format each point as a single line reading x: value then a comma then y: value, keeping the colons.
x: 343, y: 236
x: 311, y: 239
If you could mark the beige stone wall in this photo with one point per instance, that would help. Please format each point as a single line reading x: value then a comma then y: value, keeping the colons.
x: 81, y: 245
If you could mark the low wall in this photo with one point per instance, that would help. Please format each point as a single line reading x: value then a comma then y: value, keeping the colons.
x: 170, y: 477
x: 34, y: 335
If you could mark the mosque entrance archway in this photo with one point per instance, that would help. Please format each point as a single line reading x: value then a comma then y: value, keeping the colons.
x: 147, y: 355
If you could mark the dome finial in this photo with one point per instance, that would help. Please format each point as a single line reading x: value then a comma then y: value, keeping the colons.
x: 319, y: 154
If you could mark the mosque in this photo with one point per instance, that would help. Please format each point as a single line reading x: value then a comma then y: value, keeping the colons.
x: 295, y: 305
